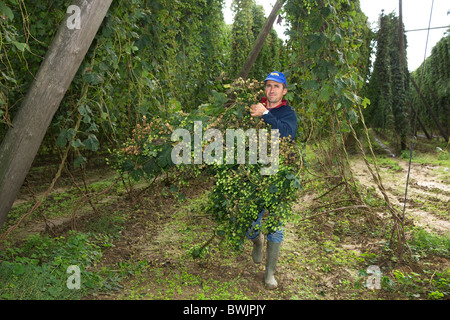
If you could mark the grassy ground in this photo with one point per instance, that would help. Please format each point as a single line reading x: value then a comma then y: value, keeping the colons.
x: 132, y: 248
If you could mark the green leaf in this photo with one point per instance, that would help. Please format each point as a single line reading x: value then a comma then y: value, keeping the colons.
x: 174, y: 106
x: 316, y: 43
x: 150, y: 167
x: 62, y: 138
x: 79, y: 161
x: 91, y: 143
x: 137, y: 174
x: 82, y: 110
x: 92, y: 78
x: 19, y: 269
x: 290, y: 176
x: 352, y: 115
x: 326, y: 93
x: 128, y: 166
x: 337, y: 38
x: 164, y: 159
x: 86, y: 119
x: 296, y: 184
x: 93, y: 127
x: 273, y: 188
x: 76, y: 143
x: 365, y: 103
x: 20, y: 46
x: 326, y: 11
x: 6, y: 10
x: 311, y: 85
x: 9, y: 78
x: 181, y: 197
x: 289, y: 96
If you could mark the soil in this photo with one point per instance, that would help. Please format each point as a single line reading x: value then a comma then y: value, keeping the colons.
x: 425, y: 186
x: 318, y: 259
x: 158, y: 240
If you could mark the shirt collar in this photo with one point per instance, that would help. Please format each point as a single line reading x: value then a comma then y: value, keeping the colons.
x: 264, y: 102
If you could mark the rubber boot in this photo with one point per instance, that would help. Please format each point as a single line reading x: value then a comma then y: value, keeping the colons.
x: 258, y: 245
x: 273, y: 251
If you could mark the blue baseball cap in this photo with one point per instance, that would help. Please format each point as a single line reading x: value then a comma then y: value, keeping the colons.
x: 277, y: 77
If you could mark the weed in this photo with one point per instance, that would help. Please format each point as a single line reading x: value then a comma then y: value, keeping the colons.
x: 406, y: 154
x: 444, y: 156
x: 390, y: 163
x: 435, y: 295
x: 424, y: 243
x: 38, y: 269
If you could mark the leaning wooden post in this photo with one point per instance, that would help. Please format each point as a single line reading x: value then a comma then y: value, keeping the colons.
x: 259, y: 43
x: 62, y: 61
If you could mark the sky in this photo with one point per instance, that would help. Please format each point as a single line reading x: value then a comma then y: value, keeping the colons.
x: 416, y: 15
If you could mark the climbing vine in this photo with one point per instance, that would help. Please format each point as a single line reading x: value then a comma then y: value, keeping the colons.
x: 329, y: 60
x: 158, y: 66
x: 433, y: 78
x: 328, y: 65
x: 389, y: 83
x: 146, y: 57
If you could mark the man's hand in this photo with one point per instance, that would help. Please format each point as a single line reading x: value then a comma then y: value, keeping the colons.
x: 257, y: 110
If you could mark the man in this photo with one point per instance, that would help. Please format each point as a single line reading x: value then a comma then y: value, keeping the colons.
x: 275, y: 111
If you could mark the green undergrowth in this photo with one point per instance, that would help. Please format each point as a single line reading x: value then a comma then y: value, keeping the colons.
x: 178, y: 265
x: 325, y: 255
x: 36, y: 267
x: 321, y: 258
x: 387, y: 162
x: 39, y: 269
x: 62, y: 202
x: 337, y: 250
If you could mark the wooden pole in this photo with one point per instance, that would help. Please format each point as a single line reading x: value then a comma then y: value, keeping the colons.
x: 259, y: 43
x: 63, y: 59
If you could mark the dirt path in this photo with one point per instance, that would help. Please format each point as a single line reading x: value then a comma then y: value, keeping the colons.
x: 161, y: 241
x: 312, y: 264
x: 428, y: 196
x: 321, y: 258
x: 164, y: 245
